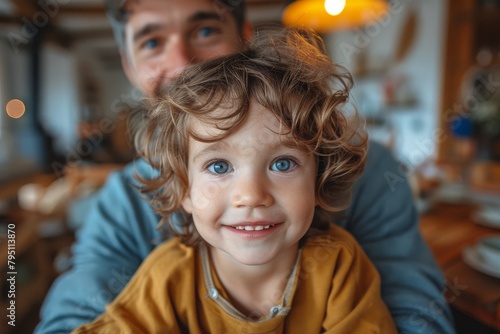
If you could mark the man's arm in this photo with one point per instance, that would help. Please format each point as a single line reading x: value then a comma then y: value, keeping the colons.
x: 118, y: 234
x: 383, y: 219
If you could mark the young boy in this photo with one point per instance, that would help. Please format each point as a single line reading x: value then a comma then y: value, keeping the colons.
x: 255, y: 152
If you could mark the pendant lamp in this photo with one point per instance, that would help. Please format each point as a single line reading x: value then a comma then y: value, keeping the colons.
x: 325, y: 16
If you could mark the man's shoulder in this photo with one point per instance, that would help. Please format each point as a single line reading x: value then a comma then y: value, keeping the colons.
x: 120, y: 214
x: 379, y: 158
x: 126, y: 181
x: 384, y: 181
x: 131, y: 171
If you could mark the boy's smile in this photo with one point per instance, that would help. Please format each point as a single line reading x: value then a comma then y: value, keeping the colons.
x: 255, y: 229
x: 252, y: 194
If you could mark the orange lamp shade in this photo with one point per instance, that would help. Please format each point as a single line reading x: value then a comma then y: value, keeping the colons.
x: 313, y: 14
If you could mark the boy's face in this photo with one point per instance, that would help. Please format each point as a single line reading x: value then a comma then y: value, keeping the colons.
x: 163, y: 36
x: 252, y: 194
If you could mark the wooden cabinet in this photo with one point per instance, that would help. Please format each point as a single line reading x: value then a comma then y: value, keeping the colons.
x: 472, y: 44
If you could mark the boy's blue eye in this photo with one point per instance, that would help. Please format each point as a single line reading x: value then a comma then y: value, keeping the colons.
x: 219, y: 167
x: 206, y: 31
x: 282, y: 165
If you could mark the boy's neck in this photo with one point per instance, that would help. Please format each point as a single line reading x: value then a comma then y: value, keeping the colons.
x: 254, y: 289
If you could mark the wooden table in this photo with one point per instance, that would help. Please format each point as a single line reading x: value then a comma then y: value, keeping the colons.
x: 448, y: 228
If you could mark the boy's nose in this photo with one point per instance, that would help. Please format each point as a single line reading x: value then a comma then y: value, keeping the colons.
x: 251, y: 192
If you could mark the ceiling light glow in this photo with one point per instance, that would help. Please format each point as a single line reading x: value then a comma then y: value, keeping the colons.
x: 334, y: 7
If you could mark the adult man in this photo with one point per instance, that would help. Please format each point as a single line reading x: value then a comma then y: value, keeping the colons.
x: 161, y: 37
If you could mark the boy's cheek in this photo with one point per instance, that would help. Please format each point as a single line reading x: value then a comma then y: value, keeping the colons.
x: 187, y: 205
x: 196, y: 202
x: 203, y: 197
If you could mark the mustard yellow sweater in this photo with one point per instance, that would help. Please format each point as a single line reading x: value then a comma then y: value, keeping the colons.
x: 334, y: 288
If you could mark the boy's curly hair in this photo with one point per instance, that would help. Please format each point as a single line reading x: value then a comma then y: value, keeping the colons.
x: 287, y: 71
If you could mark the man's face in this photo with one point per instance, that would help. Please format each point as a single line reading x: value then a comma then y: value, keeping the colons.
x: 162, y: 37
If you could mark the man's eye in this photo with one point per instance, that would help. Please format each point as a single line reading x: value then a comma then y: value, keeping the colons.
x: 150, y: 44
x: 206, y: 32
x: 219, y: 167
x: 283, y: 165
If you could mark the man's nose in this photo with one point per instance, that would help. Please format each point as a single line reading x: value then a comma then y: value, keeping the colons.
x: 251, y: 190
x: 178, y: 56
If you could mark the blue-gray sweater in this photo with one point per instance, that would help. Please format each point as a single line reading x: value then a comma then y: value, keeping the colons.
x: 120, y: 232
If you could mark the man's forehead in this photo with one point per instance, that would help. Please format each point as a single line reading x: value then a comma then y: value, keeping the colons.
x: 129, y: 5
x: 150, y: 15
x: 143, y: 15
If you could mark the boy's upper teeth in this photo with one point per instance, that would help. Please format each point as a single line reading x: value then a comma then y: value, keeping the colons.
x: 253, y: 228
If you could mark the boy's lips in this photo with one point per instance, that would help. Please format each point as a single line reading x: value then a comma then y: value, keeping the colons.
x: 253, y: 226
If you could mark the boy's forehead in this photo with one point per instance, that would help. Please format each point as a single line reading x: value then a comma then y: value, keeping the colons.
x: 258, y: 120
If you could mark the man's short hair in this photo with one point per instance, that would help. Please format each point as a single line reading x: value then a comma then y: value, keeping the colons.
x: 118, y: 15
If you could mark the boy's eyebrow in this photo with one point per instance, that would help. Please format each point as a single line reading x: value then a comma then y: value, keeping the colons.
x: 196, y: 17
x: 290, y: 143
x: 214, y: 147
x: 222, y: 146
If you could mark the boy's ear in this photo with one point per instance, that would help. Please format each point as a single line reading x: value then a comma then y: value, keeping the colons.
x: 187, y: 205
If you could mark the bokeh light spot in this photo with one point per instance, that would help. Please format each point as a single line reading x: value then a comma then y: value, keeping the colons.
x: 15, y: 108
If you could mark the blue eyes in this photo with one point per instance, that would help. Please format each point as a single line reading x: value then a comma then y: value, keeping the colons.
x: 219, y: 167
x: 282, y: 165
x: 155, y: 40
x: 206, y: 32
x: 151, y: 44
